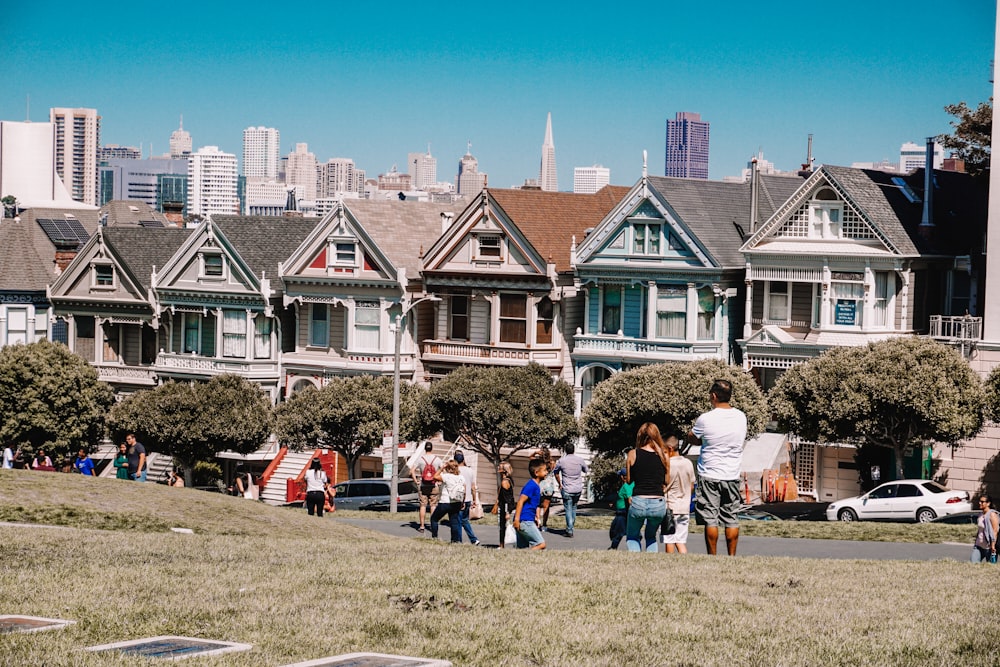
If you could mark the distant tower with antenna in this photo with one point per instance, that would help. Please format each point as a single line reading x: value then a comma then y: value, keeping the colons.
x: 180, y: 142
x: 548, y: 179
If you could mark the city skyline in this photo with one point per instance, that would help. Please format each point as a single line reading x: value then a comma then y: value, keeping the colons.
x: 864, y: 82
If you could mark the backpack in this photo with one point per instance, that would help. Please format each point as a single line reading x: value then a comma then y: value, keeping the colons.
x: 427, y: 474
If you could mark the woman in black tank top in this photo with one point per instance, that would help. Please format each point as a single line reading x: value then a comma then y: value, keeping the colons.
x: 648, y: 467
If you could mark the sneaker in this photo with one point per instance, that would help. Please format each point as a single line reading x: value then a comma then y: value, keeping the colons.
x: 569, y: 533
x: 477, y: 543
x: 545, y: 529
x: 420, y: 530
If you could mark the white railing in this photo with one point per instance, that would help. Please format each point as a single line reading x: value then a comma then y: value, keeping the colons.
x: 956, y: 327
x: 605, y: 344
x: 471, y: 351
x: 213, y: 366
x: 115, y: 372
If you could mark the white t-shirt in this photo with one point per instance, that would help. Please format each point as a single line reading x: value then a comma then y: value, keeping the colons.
x: 315, y: 480
x: 452, y: 488
x: 723, y: 432
x: 8, y: 458
x: 468, y: 476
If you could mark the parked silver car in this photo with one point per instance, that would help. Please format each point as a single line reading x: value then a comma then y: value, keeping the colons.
x: 902, y: 500
x: 373, y: 494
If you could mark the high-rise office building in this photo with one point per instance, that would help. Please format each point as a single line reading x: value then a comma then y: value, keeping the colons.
x: 548, y: 179
x: 913, y: 156
x: 161, y: 182
x: 469, y: 180
x: 588, y: 180
x: 212, y: 182
x: 301, y: 172
x: 180, y: 142
x: 78, y: 134
x: 423, y: 168
x: 261, y: 152
x: 687, y: 146
x: 339, y: 175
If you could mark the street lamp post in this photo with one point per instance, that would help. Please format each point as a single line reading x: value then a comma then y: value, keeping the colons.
x: 394, y: 482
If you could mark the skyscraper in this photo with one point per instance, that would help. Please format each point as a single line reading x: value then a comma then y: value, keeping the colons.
x: 588, y: 180
x: 687, y: 146
x: 78, y: 134
x: 261, y: 152
x: 548, y: 180
x: 913, y: 156
x: 422, y: 168
x: 180, y: 142
x: 212, y: 182
x: 301, y: 173
x: 469, y: 180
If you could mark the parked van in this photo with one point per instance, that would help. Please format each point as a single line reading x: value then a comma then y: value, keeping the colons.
x: 373, y: 494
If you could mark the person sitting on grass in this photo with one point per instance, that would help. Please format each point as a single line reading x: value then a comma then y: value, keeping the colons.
x: 526, y: 512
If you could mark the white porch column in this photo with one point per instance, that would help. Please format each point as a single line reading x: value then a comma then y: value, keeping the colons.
x: 691, y: 319
x: 219, y: 328
x: 748, y: 309
x: 348, y: 325
x: 868, y: 310
x: 651, y: 292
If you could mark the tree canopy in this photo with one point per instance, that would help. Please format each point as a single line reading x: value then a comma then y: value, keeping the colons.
x: 195, y: 421
x: 973, y: 135
x: 348, y: 415
x: 50, y: 398
x: 992, y: 399
x: 671, y: 395
x: 497, y: 411
x: 897, y: 393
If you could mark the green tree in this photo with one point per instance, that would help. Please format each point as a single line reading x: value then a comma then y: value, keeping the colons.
x: 898, y: 393
x: 973, y: 135
x: 192, y: 422
x: 992, y: 397
x: 50, y: 398
x: 497, y: 411
x: 671, y: 395
x: 348, y: 415
x: 10, y: 206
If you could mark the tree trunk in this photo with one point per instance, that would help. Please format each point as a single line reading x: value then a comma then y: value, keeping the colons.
x: 898, y: 449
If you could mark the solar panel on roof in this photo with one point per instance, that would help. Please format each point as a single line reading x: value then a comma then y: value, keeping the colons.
x: 64, y: 233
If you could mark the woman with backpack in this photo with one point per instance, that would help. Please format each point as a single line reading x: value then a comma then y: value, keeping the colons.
x: 987, y: 528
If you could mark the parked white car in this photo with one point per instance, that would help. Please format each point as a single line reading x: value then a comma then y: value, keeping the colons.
x: 903, y: 500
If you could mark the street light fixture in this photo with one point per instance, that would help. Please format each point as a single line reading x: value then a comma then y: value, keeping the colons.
x: 394, y: 482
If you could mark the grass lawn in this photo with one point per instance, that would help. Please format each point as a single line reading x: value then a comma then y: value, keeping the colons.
x: 299, y: 588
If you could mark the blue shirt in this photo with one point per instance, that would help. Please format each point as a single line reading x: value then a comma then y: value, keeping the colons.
x: 84, y: 466
x: 534, y: 494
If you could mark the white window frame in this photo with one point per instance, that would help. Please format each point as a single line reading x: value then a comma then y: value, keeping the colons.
x: 650, y: 236
x: 22, y: 332
x: 94, y: 277
x: 313, y: 339
x: 262, y: 334
x: 618, y: 326
x: 859, y: 308
x: 234, y: 336
x: 198, y: 321
x: 770, y: 295
x: 371, y: 309
x: 490, y: 251
x: 204, y: 257
x: 342, y: 253
x: 666, y: 294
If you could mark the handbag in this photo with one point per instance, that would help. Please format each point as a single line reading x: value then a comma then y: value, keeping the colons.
x: 475, y: 509
x: 668, y: 526
x: 510, y: 535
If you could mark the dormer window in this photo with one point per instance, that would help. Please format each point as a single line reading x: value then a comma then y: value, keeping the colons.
x: 212, y: 265
x: 345, y: 253
x: 489, y: 246
x: 104, y: 276
x: 645, y: 239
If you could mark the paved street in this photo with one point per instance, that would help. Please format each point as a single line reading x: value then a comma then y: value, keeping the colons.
x: 749, y: 546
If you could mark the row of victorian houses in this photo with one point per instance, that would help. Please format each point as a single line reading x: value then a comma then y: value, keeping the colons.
x: 765, y: 274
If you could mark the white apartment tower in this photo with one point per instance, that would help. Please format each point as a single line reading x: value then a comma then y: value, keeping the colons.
x: 180, y: 142
x: 261, y: 152
x: 301, y: 172
x: 913, y: 156
x: 548, y: 180
x: 78, y: 135
x: 469, y: 180
x: 212, y: 182
x: 339, y: 175
x: 588, y: 180
x: 422, y: 167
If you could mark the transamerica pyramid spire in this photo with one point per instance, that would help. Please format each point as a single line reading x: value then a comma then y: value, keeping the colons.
x: 547, y: 177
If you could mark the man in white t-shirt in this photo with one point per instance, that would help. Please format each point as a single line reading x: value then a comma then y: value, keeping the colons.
x: 422, y: 471
x: 722, y: 433
x: 8, y: 457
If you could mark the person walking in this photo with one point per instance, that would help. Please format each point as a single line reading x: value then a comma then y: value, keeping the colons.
x: 648, y: 467
x: 451, y: 500
x: 678, y: 496
x: 527, y: 509
x: 469, y: 477
x: 548, y: 486
x: 121, y: 462
x: 423, y: 474
x: 569, y: 472
x: 987, y: 529
x: 316, y: 483
x: 136, y: 458
x: 505, y: 498
x: 8, y: 457
x: 722, y: 434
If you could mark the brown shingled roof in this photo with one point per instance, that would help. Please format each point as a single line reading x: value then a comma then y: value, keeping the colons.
x: 550, y: 220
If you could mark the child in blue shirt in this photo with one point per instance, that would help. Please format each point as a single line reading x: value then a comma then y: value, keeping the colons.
x: 617, y: 532
x: 525, y: 514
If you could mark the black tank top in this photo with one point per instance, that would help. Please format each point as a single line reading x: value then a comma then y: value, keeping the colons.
x: 648, y: 474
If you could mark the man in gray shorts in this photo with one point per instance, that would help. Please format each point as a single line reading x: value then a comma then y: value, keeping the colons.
x: 721, y: 432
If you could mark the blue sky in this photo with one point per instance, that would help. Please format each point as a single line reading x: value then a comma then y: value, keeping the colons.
x: 375, y: 84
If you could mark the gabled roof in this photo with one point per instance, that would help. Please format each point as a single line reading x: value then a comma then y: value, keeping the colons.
x: 550, y: 220
x: 133, y: 212
x: 28, y: 254
x: 264, y: 241
x: 141, y: 249
x: 711, y: 210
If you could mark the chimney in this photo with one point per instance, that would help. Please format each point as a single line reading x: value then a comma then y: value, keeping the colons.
x: 446, y: 217
x: 927, y: 220
x: 754, y: 194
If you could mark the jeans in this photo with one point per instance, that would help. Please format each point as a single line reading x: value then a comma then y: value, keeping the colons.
x: 466, y: 524
x: 454, y: 511
x: 617, y: 530
x: 528, y: 535
x: 644, y: 510
x: 570, y: 501
x: 980, y: 554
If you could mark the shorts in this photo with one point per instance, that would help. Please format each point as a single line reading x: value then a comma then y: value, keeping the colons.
x: 528, y: 535
x: 680, y: 535
x: 717, y: 501
x: 429, y: 494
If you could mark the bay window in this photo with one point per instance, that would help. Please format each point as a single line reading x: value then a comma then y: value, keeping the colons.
x: 367, y: 321
x: 671, y: 312
x: 234, y: 334
x: 778, y: 301
x: 513, y: 318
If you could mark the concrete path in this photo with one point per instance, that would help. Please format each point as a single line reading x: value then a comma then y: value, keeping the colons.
x: 748, y: 546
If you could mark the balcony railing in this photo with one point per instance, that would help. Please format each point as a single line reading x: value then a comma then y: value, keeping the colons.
x: 956, y: 327
x: 457, y: 351
x: 133, y: 374
x: 642, y: 346
x: 212, y: 366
